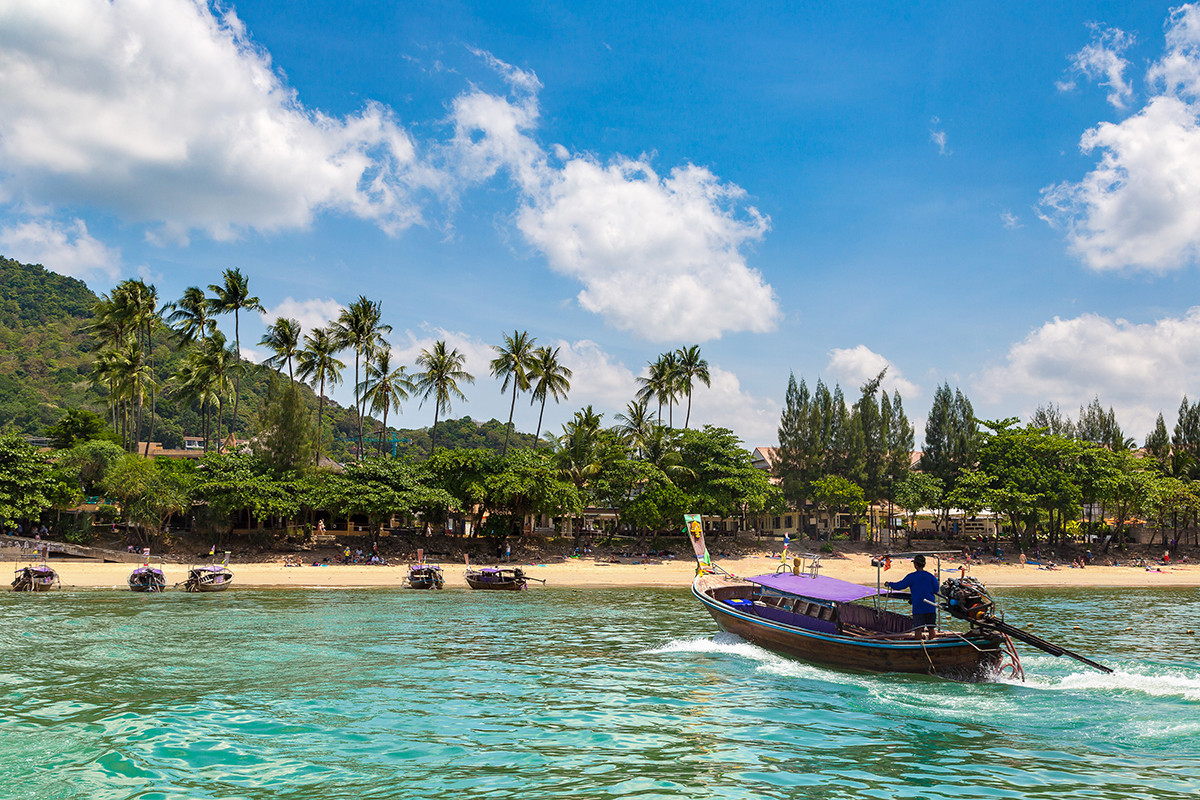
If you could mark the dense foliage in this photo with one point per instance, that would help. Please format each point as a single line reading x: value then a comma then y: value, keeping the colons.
x: 829, y: 450
x: 276, y: 452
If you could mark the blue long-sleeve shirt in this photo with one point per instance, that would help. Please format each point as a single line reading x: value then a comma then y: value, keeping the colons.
x: 923, y: 586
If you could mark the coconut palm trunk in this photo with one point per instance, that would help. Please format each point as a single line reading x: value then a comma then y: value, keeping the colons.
x: 541, y: 413
x: 320, y: 419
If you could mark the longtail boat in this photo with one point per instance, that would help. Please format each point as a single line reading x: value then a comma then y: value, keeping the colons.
x: 424, y: 576
x: 35, y: 578
x: 799, y: 613
x: 822, y: 619
x: 499, y: 578
x: 508, y: 579
x: 209, y: 578
x: 147, y: 578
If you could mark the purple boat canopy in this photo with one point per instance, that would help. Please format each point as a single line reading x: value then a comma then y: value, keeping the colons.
x: 818, y: 588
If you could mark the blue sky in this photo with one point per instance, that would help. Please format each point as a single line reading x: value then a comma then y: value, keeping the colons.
x: 1001, y: 196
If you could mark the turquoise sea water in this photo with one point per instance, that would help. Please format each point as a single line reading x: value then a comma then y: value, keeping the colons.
x: 558, y: 693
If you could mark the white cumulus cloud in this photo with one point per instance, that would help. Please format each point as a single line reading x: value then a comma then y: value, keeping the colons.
x: 1139, y: 207
x: 660, y: 256
x: 854, y: 366
x: 1138, y: 369
x: 727, y: 405
x: 165, y: 112
x: 311, y: 314
x: 597, y: 379
x: 66, y: 248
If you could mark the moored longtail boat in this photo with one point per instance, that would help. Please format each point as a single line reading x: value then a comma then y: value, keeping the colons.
x: 209, y: 578
x: 424, y: 576
x: 147, y: 578
x: 509, y: 579
x: 802, y: 614
x: 498, y: 578
x: 35, y: 578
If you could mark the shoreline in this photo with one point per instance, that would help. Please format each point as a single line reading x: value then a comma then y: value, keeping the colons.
x: 591, y: 573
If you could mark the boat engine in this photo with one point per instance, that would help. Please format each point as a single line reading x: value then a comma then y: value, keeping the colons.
x: 967, y: 599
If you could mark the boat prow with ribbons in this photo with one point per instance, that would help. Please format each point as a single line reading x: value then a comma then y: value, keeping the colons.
x: 34, y: 578
x: 147, y: 578
x: 422, y: 575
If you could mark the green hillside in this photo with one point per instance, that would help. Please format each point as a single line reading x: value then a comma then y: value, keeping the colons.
x: 44, y: 353
x: 46, y: 359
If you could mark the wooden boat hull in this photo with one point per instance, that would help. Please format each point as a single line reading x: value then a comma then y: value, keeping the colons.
x: 510, y: 586
x: 212, y: 587
x: 972, y: 656
x: 492, y: 583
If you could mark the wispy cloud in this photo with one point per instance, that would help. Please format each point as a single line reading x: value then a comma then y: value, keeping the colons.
x: 1103, y: 61
x: 938, y: 136
x: 1010, y: 220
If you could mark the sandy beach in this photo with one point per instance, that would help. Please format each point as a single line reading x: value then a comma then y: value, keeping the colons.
x: 588, y: 573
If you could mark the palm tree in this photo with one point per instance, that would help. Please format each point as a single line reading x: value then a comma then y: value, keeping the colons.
x: 359, y: 327
x: 661, y: 449
x: 576, y: 450
x: 385, y: 387
x: 110, y: 326
x: 659, y: 383
x: 127, y: 318
x: 443, y: 371
x: 214, y: 364
x: 189, y: 316
x: 234, y: 295
x: 195, y: 382
x: 104, y: 375
x: 513, y: 362
x: 283, y: 339
x: 318, y: 365
x: 134, y: 375
x: 146, y: 318
x: 549, y: 378
x: 690, y: 367
x: 636, y: 425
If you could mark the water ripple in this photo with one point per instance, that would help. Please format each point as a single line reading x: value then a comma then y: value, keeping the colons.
x: 565, y: 694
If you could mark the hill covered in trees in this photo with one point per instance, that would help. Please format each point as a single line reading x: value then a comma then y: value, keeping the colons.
x: 47, y: 355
